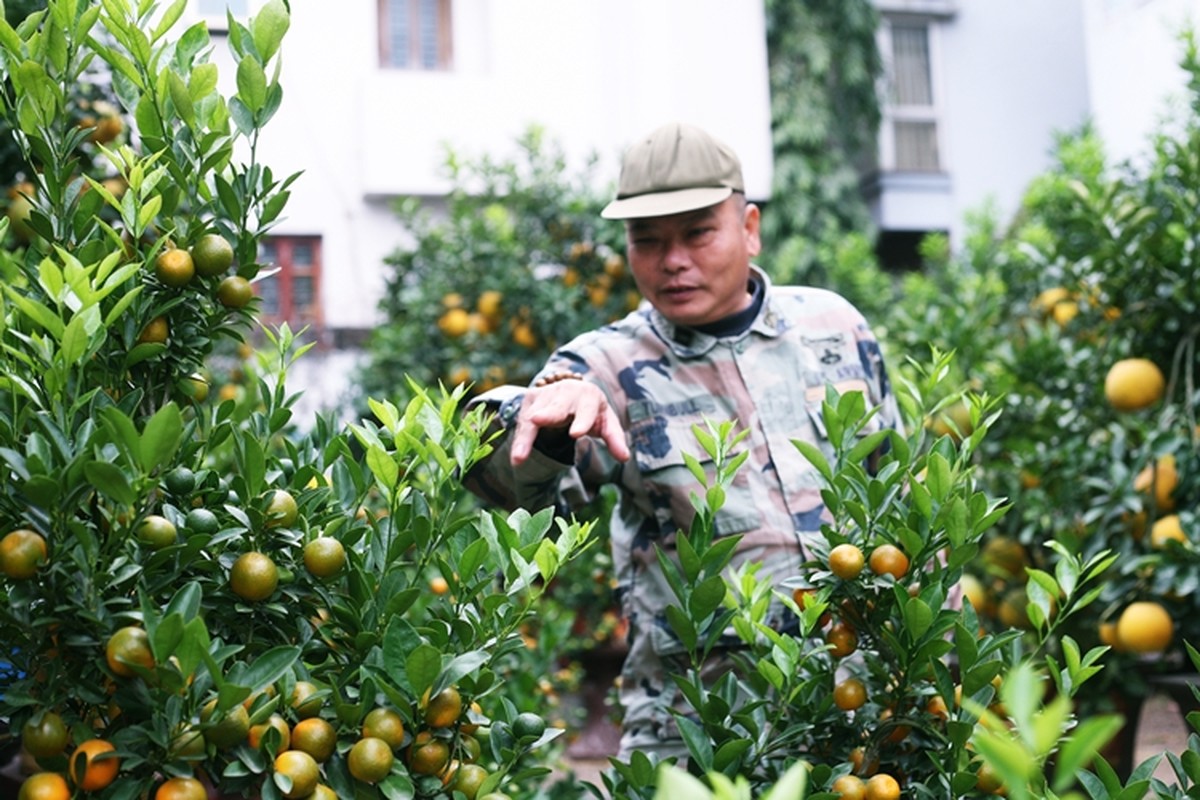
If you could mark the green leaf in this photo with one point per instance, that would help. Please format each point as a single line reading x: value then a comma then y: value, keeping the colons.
x: 867, y: 446
x: 682, y: 627
x: 169, y: 18
x: 110, y: 480
x: 815, y: 457
x: 918, y: 616
x: 792, y: 785
x: 675, y: 784
x: 423, y: 665
x: 1081, y: 747
x: 48, y: 320
x: 161, y: 438
x: 268, y: 27
x: 270, y: 667
x: 707, y: 597
x: 698, y: 743
x: 181, y: 98
x: 78, y: 335
x: 251, y: 83
x: 460, y: 666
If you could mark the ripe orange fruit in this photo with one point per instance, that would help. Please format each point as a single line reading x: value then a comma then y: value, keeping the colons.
x: 174, y: 267
x: 253, y: 577
x: 385, y: 724
x: 370, y: 760
x: 129, y: 646
x: 444, y: 708
x: 489, y: 303
x: 1166, y: 529
x: 156, y: 532
x: 156, y: 331
x: 1107, y: 633
x: 90, y: 769
x: 1005, y: 557
x: 882, y: 787
x: 324, y: 557
x: 316, y: 737
x: 849, y: 787
x: 282, y: 511
x: 1159, y: 479
x: 21, y: 552
x: 889, y: 559
x: 44, y: 786
x: 304, y: 700
x: 468, y: 778
x: 212, y: 255
x: 230, y: 730
x: 1145, y: 627
x: 937, y: 707
x: 19, y: 208
x: 255, y: 736
x: 427, y: 756
x: 842, y: 640
x: 523, y: 335
x: 181, y: 789
x: 850, y: 694
x: 439, y: 585
x: 45, y: 735
x: 1133, y: 384
x: 988, y: 780
x: 454, y: 323
x: 973, y: 591
x: 858, y: 760
x: 803, y: 596
x: 846, y: 561
x: 300, y: 769
x: 235, y: 292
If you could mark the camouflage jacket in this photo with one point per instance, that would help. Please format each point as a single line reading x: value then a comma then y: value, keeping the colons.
x: 661, y: 381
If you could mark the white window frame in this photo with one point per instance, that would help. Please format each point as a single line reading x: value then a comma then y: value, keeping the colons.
x: 893, y: 113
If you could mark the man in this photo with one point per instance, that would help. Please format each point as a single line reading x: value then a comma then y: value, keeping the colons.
x: 717, y: 342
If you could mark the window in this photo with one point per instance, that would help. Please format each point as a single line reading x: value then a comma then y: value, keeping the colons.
x: 414, y: 34
x: 293, y: 294
x: 213, y: 12
x: 909, y: 140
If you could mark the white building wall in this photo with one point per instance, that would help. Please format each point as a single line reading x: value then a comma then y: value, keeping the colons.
x: 1133, y: 58
x: 1014, y: 74
x: 594, y: 73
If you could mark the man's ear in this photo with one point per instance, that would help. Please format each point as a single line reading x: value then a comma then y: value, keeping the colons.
x: 751, y: 225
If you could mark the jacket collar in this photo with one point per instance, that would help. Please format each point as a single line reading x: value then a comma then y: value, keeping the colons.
x: 689, y: 343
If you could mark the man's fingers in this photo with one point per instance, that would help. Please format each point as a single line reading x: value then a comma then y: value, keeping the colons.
x: 580, y: 408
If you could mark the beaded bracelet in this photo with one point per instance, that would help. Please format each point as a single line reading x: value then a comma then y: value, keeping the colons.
x: 555, y: 377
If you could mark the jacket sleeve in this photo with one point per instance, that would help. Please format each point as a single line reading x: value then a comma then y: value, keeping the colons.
x: 543, y: 479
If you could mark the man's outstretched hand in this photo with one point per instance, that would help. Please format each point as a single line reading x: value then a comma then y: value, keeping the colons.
x: 578, y: 407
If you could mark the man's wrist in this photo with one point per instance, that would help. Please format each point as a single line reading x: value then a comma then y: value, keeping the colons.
x: 509, y: 409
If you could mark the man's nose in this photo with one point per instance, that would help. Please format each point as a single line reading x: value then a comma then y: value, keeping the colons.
x: 676, y: 256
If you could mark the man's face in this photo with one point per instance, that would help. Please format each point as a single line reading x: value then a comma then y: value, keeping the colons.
x: 693, y: 267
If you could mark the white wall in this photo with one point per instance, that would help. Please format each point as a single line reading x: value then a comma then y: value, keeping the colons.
x: 1014, y: 74
x: 594, y: 73
x: 1133, y: 57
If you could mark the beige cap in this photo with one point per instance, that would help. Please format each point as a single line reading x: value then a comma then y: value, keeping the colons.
x: 676, y: 168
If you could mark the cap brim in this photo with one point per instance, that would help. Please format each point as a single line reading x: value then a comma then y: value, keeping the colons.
x: 661, y: 204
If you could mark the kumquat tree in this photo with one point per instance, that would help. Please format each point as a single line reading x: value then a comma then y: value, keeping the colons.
x: 206, y: 597
x: 199, y: 599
